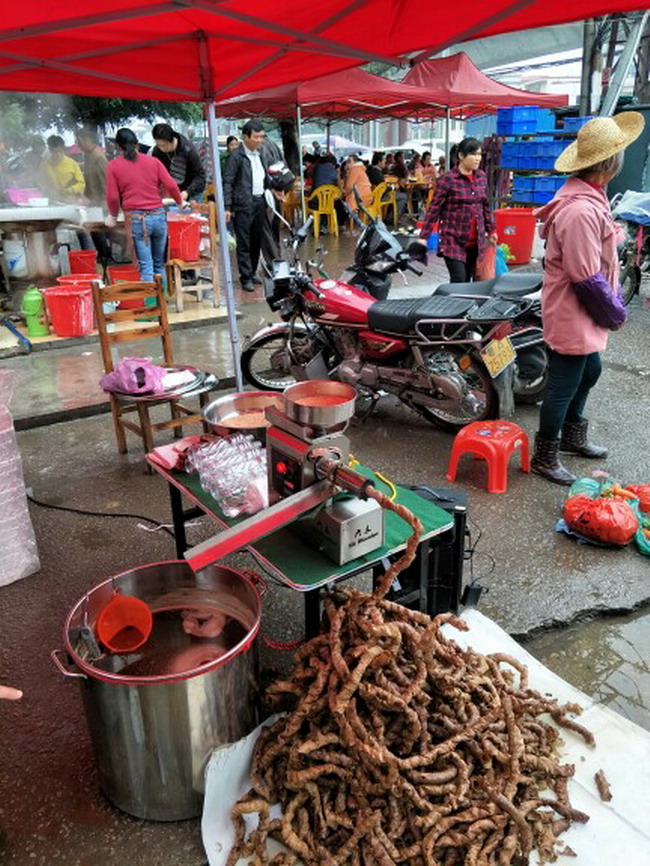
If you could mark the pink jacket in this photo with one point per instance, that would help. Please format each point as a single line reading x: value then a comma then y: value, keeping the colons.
x: 581, y: 240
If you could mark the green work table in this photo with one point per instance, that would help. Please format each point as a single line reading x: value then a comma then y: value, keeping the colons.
x: 299, y: 565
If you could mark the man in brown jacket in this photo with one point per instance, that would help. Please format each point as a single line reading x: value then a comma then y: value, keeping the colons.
x: 94, y: 166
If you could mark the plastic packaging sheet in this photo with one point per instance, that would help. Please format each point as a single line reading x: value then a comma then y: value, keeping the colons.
x: 618, y: 832
x: 18, y: 553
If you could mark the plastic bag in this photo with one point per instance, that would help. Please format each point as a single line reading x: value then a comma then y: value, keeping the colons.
x: 135, y: 376
x: 633, y: 206
x: 606, y: 520
x: 486, y: 265
x: 18, y: 553
x: 642, y: 493
x: 501, y: 265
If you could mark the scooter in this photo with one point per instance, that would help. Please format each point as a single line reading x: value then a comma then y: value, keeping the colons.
x: 448, y: 358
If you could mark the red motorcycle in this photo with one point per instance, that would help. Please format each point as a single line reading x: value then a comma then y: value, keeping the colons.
x: 448, y: 358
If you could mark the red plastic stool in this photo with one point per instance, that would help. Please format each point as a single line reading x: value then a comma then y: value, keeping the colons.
x: 494, y: 441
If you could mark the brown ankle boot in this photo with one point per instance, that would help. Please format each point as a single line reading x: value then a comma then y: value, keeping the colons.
x: 574, y: 441
x: 545, y: 461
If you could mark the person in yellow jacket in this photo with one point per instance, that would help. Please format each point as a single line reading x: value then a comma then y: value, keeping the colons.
x: 63, y: 176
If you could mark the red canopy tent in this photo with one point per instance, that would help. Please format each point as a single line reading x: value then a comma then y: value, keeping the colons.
x: 470, y: 91
x: 349, y: 93
x: 195, y: 49
x: 207, y: 49
x: 355, y: 93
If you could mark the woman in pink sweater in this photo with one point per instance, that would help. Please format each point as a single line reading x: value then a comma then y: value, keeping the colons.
x: 580, y: 297
x: 133, y: 182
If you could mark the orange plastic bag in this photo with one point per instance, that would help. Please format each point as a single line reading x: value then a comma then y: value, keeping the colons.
x: 608, y: 520
x: 487, y: 264
x: 642, y: 492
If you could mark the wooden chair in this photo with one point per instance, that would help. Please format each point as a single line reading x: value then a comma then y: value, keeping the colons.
x: 321, y: 203
x: 291, y: 205
x: 209, y: 260
x: 147, y: 322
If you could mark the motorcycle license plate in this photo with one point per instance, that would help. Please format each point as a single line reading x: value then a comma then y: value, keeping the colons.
x: 497, y: 355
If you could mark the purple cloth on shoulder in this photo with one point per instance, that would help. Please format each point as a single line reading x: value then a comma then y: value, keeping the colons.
x: 134, y: 376
x: 601, y: 301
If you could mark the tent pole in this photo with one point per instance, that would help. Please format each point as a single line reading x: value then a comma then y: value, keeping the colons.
x: 447, y: 124
x: 327, y: 135
x: 223, y: 235
x: 302, y: 164
x: 431, y: 131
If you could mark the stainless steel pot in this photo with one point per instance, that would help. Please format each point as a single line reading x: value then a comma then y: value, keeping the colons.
x: 321, y: 403
x: 153, y: 733
x: 229, y: 414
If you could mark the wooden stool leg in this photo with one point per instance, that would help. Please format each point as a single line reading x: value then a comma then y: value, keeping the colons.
x: 216, y: 289
x: 178, y: 285
x: 117, y: 424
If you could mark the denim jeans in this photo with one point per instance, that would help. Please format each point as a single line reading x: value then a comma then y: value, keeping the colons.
x: 570, y: 379
x: 149, y: 232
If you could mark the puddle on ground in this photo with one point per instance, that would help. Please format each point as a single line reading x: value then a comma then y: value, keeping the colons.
x: 607, y: 658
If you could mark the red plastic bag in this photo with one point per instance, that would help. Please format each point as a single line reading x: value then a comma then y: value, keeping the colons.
x: 487, y: 264
x: 604, y: 520
x: 642, y: 493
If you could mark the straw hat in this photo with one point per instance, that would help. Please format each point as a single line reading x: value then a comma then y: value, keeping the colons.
x: 599, y: 139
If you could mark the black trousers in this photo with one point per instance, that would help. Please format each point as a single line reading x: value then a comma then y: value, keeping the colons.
x: 270, y: 238
x: 462, y: 272
x: 570, y: 379
x: 249, y: 225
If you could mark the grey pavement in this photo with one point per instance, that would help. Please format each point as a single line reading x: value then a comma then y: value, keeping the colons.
x: 51, y: 811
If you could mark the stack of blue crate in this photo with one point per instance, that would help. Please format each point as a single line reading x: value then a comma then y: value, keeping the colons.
x: 572, y: 124
x: 545, y: 187
x: 523, y: 189
x: 524, y: 120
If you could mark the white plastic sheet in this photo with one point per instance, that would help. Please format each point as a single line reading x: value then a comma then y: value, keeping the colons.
x: 618, y: 833
x: 18, y: 554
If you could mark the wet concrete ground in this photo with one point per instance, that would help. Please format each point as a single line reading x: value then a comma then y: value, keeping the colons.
x: 51, y: 811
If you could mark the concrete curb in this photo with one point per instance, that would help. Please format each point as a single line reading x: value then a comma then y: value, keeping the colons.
x: 74, y: 342
x: 31, y: 422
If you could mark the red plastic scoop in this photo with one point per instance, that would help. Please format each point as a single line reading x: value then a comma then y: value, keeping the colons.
x: 124, y: 624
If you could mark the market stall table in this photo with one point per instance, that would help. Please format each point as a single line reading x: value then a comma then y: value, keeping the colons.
x: 305, y: 568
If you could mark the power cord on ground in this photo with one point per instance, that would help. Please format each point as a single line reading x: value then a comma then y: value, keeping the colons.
x: 88, y: 513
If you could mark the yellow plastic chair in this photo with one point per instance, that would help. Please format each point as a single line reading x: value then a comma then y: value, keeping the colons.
x: 321, y: 203
x: 383, y: 198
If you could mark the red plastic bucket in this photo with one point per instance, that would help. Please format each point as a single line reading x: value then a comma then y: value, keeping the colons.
x: 82, y: 261
x: 125, y: 274
x: 184, y: 238
x: 77, y: 279
x: 516, y: 228
x: 70, y: 309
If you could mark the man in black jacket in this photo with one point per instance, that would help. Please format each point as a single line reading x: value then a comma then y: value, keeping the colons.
x: 244, y: 181
x: 181, y: 159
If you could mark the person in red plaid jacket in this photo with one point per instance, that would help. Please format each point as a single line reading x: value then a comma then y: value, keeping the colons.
x: 460, y: 206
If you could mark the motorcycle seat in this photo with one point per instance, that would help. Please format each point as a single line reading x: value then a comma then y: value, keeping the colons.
x: 507, y: 285
x: 401, y: 316
x: 480, y: 287
x: 517, y: 285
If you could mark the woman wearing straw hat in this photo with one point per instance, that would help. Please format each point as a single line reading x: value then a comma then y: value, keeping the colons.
x: 580, y: 299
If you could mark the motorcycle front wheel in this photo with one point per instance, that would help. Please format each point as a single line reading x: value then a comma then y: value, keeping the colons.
x: 479, y: 401
x: 267, y: 360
